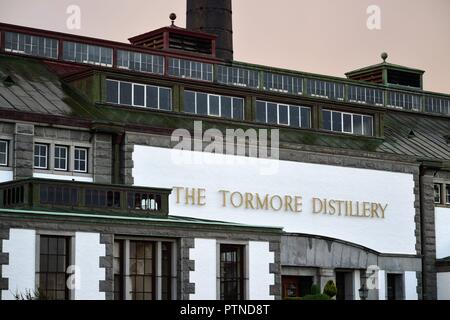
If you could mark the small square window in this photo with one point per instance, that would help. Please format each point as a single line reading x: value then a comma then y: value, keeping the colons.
x: 80, y: 159
x: 3, y: 153
x: 437, y: 193
x: 61, y: 157
x: 41, y: 156
x: 447, y: 194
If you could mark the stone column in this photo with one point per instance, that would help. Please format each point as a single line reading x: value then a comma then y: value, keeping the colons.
x: 429, y: 278
x: 23, y: 150
x: 102, y: 158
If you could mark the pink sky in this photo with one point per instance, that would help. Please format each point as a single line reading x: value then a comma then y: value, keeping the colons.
x: 320, y: 36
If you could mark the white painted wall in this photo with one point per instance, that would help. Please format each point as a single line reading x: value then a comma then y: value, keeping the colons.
x: 62, y: 177
x: 88, y: 251
x: 292, y: 178
x: 410, y: 286
x: 6, y: 175
x: 443, y: 285
x: 382, y: 285
x: 260, y: 277
x: 21, y: 270
x: 204, y: 276
x: 442, y: 221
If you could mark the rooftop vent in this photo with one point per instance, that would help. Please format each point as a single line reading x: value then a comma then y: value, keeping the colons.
x: 8, y: 81
x: 178, y: 39
x: 388, y: 74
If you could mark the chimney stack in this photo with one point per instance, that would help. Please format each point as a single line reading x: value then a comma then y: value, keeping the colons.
x: 213, y: 16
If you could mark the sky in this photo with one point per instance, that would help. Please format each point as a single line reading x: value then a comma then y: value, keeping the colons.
x: 320, y: 36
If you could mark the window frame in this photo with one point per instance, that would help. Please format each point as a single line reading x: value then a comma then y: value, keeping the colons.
x: 352, y: 114
x: 47, y: 155
x: 146, y: 86
x: 243, y: 267
x: 55, y: 158
x: 437, y: 192
x: 75, y: 148
x: 7, y: 144
x: 124, y: 264
x: 219, y: 96
x: 68, y: 254
x: 289, y: 124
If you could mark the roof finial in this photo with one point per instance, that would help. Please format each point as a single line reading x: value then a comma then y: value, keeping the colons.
x: 384, y: 56
x: 173, y: 17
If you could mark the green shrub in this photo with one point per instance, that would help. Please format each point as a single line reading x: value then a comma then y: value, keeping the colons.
x: 319, y: 296
x: 330, y: 289
x: 315, y: 289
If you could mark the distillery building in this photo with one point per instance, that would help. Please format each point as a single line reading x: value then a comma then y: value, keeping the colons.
x: 334, y: 178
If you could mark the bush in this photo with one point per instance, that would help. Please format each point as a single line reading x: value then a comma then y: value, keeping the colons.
x: 315, y: 289
x: 319, y: 296
x: 330, y: 289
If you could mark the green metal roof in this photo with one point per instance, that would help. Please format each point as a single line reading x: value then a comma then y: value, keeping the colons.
x: 169, y: 221
x: 385, y: 65
x: 38, y: 90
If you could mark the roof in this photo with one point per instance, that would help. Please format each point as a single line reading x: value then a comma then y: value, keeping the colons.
x: 168, y: 221
x: 385, y: 65
x: 37, y: 90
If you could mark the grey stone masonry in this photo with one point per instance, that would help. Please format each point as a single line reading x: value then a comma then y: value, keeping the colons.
x: 102, y: 158
x: 4, y: 259
x: 23, y: 150
x: 275, y: 269
x: 429, y: 279
x: 126, y: 169
x: 106, y: 262
x: 185, y: 287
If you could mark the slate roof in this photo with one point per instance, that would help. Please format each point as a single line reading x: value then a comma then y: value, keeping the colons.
x: 35, y: 89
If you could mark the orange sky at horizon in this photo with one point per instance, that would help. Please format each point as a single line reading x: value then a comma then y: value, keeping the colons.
x: 322, y: 36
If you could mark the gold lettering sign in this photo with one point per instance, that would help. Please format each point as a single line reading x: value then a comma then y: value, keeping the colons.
x: 287, y: 203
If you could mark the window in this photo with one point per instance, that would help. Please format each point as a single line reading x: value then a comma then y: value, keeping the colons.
x: 437, y: 193
x: 214, y: 105
x: 32, y: 45
x: 118, y: 267
x: 347, y: 122
x: 61, y: 155
x: 53, y: 263
x: 447, y: 194
x: 237, y: 76
x: 231, y: 272
x: 13, y: 196
x: 86, y: 53
x: 40, y: 156
x: 283, y: 114
x: 437, y: 105
x: 140, y: 62
x: 143, y: 270
x: 190, y: 69
x: 98, y: 198
x: 4, y: 152
x: 365, y: 95
x: 138, y: 95
x: 325, y: 89
x: 58, y: 195
x: 80, y: 159
x: 144, y: 201
x: 403, y: 101
x: 283, y: 83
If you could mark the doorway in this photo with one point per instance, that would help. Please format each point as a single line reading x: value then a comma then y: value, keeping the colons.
x: 296, y: 286
x: 344, y: 285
